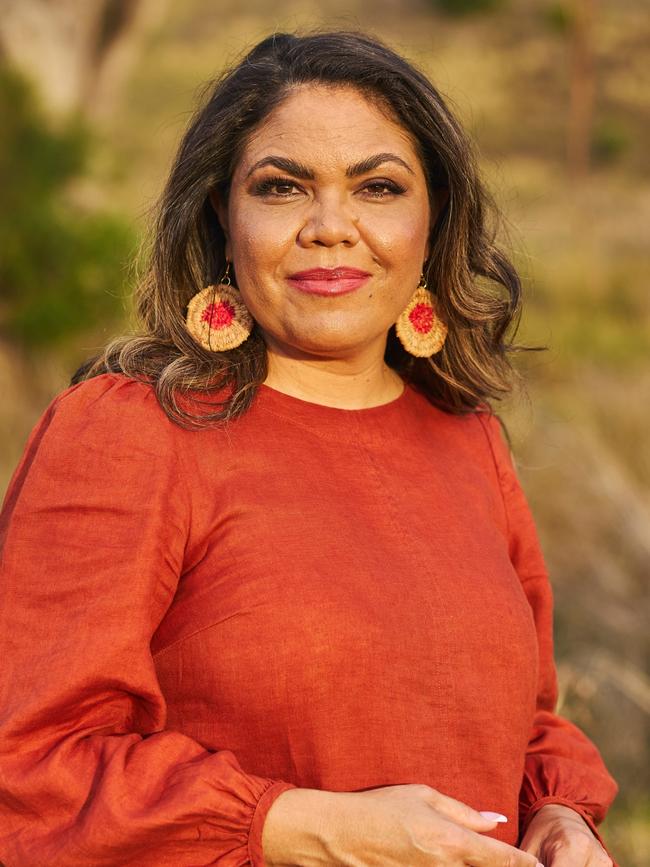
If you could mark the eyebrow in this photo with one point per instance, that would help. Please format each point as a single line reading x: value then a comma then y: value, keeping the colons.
x: 299, y: 170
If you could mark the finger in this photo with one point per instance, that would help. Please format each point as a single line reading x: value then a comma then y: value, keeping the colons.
x: 487, y: 852
x: 579, y: 856
x: 532, y: 849
x: 575, y: 848
x: 465, y: 815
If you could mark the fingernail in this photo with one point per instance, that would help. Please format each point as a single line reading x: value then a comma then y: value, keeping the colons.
x: 493, y: 817
x: 539, y: 864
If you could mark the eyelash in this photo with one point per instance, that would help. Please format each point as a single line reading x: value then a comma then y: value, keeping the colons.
x: 263, y: 188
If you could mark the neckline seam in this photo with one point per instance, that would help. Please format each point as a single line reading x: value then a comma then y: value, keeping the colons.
x: 326, y: 434
x: 335, y: 421
x: 341, y: 411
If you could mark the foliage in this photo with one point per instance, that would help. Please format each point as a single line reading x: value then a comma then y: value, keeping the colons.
x: 466, y: 7
x: 60, y: 262
x: 610, y: 140
x: 558, y: 17
x: 591, y: 310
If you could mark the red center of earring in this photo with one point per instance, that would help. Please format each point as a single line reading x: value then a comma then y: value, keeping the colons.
x: 218, y: 315
x: 421, y: 318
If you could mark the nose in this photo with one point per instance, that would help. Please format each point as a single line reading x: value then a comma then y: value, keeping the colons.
x: 329, y: 221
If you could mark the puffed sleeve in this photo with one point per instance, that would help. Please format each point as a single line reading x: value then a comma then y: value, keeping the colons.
x: 93, y: 532
x: 562, y: 765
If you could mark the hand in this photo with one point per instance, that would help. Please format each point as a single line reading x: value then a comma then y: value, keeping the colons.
x: 418, y: 825
x: 393, y: 825
x: 559, y: 837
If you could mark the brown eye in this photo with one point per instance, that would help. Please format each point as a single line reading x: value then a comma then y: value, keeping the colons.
x: 268, y: 187
x: 380, y: 189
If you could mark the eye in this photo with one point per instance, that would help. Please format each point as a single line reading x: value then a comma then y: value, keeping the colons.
x: 266, y: 187
x: 380, y: 187
x: 280, y: 187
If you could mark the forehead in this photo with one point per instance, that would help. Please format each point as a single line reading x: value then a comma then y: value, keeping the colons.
x: 328, y: 125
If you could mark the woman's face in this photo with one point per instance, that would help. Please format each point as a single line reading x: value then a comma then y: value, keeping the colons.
x: 301, y: 199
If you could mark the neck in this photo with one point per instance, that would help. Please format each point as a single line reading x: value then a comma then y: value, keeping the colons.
x: 334, y: 382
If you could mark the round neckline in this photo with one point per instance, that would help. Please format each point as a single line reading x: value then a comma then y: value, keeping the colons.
x: 305, y: 410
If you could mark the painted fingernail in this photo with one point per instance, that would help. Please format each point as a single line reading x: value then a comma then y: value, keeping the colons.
x: 493, y: 817
x: 539, y: 864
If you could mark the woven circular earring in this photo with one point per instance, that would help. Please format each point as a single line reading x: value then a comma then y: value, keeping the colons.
x: 217, y: 317
x: 421, y: 332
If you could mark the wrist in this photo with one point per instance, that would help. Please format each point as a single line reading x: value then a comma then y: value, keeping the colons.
x: 295, y: 830
x: 553, y: 814
x: 557, y: 802
x: 559, y: 811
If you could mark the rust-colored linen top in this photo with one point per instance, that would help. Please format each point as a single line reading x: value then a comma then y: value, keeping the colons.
x: 194, y: 621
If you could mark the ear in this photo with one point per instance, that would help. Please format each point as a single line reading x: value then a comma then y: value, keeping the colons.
x: 442, y: 197
x: 221, y: 211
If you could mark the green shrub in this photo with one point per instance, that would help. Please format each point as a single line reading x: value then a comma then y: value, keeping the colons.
x: 558, y: 17
x: 610, y: 139
x: 466, y: 7
x: 61, y: 266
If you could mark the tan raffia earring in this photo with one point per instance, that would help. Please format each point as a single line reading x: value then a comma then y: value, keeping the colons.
x: 420, y: 330
x: 217, y: 317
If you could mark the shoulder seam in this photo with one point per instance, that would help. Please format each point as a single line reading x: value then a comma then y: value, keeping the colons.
x: 71, y: 389
x: 497, y: 469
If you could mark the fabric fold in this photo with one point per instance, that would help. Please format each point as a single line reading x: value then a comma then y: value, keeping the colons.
x: 95, y: 526
x: 562, y: 765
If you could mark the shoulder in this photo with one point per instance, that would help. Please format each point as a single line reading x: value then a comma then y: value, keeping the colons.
x: 107, y: 394
x: 481, y: 438
x: 495, y: 436
x: 103, y: 456
x: 479, y: 434
x: 503, y: 460
x: 101, y: 424
x: 111, y: 406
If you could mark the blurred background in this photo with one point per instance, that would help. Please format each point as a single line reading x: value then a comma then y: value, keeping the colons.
x: 93, y: 99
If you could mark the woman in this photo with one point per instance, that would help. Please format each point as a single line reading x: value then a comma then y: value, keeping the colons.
x: 273, y: 593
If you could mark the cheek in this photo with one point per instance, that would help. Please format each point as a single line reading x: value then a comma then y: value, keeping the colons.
x: 259, y: 248
x: 260, y: 238
x: 399, y: 237
x: 398, y: 245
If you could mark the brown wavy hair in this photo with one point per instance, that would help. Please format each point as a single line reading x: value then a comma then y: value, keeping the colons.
x: 477, y: 288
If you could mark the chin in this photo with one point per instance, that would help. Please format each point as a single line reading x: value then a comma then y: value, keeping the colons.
x: 331, y: 349
x: 330, y: 342
x: 329, y: 336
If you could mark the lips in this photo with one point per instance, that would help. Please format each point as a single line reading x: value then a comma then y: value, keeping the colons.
x: 338, y: 273
x: 329, y: 281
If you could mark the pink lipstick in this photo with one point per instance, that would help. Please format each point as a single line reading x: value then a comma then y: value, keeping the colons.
x: 329, y: 281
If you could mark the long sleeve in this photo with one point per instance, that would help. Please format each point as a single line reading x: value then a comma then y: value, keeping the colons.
x: 562, y: 765
x: 93, y: 533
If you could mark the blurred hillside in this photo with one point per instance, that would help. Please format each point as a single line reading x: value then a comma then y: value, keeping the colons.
x: 555, y: 96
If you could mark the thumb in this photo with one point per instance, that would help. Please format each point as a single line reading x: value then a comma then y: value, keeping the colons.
x: 462, y: 814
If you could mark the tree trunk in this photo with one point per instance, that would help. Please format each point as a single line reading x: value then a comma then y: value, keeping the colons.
x: 78, y: 53
x: 582, y: 90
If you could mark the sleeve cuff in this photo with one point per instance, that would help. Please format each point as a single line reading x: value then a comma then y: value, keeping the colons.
x: 554, y: 799
x: 255, y: 853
